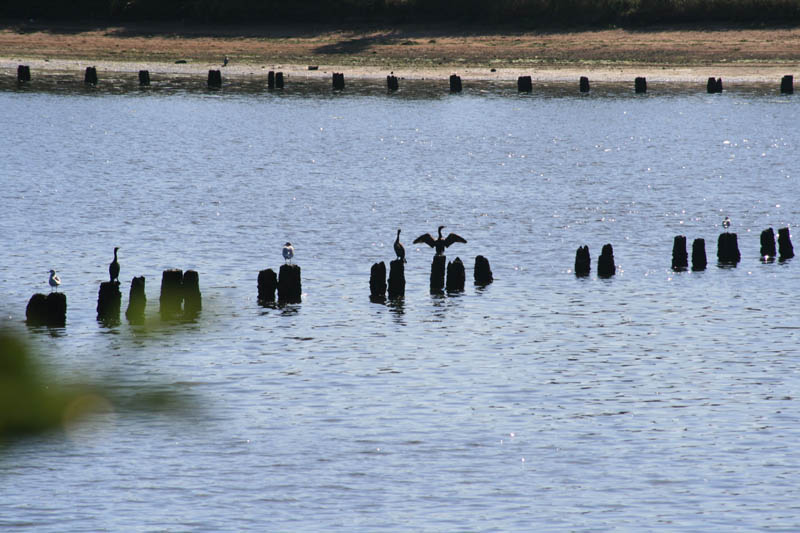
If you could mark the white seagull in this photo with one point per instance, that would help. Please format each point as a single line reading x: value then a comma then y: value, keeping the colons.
x: 54, y: 281
x: 726, y: 223
x: 288, y: 252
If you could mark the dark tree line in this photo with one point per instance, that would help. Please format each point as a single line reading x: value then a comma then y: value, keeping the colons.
x: 518, y: 12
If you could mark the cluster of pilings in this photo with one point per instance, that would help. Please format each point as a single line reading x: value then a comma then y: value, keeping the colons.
x: 606, y: 267
x: 275, y: 80
x: 47, y: 310
x: 180, y: 294
x: 287, y: 283
x: 445, y: 276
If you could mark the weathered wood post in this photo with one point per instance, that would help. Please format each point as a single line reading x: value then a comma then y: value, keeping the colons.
x: 437, y: 273
x: 699, y: 260
x: 377, y: 282
x: 271, y: 80
x: 214, y: 79
x: 728, y: 249
x: 605, y: 263
x: 338, y: 81
x: 289, y: 286
x: 137, y: 301
x: 455, y: 83
x: 279, y: 80
x: 524, y: 84
x: 680, y: 259
x: 192, y: 299
x: 785, y: 248
x: 640, y: 85
x: 23, y: 73
x: 482, y: 271
x: 768, y: 244
x: 50, y: 310
x: 267, y: 285
x: 392, y: 84
x: 171, y: 298
x: 456, y: 276
x: 90, y: 76
x: 787, y: 84
x: 583, y: 262
x: 583, y: 85
x: 109, y: 301
x: 397, y: 279
x: 144, y: 78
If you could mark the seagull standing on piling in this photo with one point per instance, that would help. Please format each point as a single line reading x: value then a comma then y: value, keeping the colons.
x: 441, y: 243
x: 113, y: 268
x: 54, y: 281
x: 726, y: 223
x: 288, y: 252
x: 398, y: 248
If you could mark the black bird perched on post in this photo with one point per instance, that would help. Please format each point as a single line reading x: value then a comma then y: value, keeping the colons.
x: 398, y: 248
x: 113, y: 268
x: 441, y: 243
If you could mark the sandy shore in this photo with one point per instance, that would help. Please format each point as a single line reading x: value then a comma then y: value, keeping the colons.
x: 685, y: 55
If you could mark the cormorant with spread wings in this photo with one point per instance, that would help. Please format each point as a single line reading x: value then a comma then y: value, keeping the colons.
x: 441, y: 243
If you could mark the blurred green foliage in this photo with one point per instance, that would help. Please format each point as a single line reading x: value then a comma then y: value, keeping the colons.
x: 528, y: 12
x: 31, y: 402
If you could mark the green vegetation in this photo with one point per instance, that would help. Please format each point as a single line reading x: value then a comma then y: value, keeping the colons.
x: 540, y: 13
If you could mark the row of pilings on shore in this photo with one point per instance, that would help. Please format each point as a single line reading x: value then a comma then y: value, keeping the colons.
x: 450, y: 277
x: 275, y: 80
x: 728, y: 253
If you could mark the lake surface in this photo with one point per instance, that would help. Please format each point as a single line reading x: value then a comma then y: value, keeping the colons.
x: 654, y: 400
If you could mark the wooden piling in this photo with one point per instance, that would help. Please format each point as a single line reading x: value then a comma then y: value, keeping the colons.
x: 605, y: 263
x: 214, y: 79
x: 524, y: 84
x: 171, y: 298
x: 144, y: 78
x: 338, y: 81
x: 397, y: 279
x: 482, y: 271
x: 270, y: 81
x: 279, y: 80
x: 787, y: 84
x: 583, y: 85
x: 456, y: 276
x: 289, y: 285
x: 392, y: 84
x: 640, y: 85
x: 23, y: 73
x: 455, y: 83
x: 437, y: 273
x: 583, y: 262
x: 768, y: 244
x: 137, y: 301
x: 109, y: 300
x: 192, y: 299
x: 377, y: 282
x: 785, y: 248
x: 49, y: 310
x: 680, y: 259
x: 714, y: 86
x: 267, y: 285
x: 90, y: 76
x: 699, y: 260
x: 728, y: 249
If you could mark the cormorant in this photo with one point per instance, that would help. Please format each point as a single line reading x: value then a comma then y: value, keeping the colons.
x: 441, y: 243
x: 398, y: 248
x: 113, y: 268
x: 54, y: 280
x: 288, y: 252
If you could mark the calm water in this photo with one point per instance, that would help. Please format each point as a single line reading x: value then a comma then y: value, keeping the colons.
x: 651, y: 401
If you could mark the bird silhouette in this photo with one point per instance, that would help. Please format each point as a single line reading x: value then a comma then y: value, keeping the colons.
x: 113, y: 268
x: 225, y: 61
x: 726, y: 223
x: 288, y: 252
x: 441, y: 243
x: 398, y: 248
x: 54, y: 281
